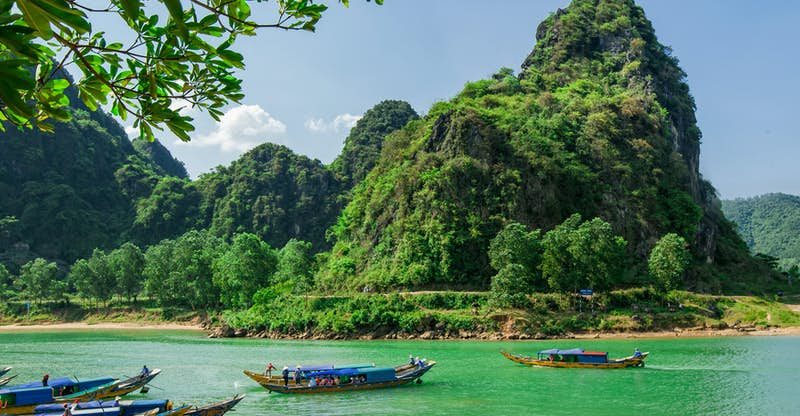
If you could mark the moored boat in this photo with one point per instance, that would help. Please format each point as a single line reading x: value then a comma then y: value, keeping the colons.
x: 215, y: 409
x: 344, y: 379
x: 20, y: 400
x: 132, y: 384
x: 6, y: 380
x: 106, y: 408
x: 577, y: 358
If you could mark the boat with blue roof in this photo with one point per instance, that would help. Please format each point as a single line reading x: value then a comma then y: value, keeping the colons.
x: 578, y: 358
x: 334, y: 379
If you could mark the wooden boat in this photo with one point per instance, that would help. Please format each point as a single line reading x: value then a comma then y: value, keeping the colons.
x: 23, y: 400
x: 216, y: 409
x: 6, y: 380
x: 176, y: 412
x: 348, y: 379
x: 577, y: 358
x: 106, y: 408
x: 132, y: 384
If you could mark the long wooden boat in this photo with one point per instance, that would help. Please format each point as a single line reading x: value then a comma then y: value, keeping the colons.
x: 106, y: 408
x: 132, y: 384
x: 6, y: 380
x: 216, y: 409
x: 577, y: 358
x: 348, y: 379
x: 23, y: 400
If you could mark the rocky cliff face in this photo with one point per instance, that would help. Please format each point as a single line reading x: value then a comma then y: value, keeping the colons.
x: 599, y: 122
x: 617, y: 33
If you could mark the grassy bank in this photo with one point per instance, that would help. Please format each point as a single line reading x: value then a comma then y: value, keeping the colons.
x: 431, y: 315
x: 471, y: 315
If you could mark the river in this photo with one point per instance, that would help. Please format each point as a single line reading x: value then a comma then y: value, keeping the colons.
x: 686, y: 376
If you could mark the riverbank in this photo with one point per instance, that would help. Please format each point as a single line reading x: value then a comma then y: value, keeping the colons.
x: 101, y: 325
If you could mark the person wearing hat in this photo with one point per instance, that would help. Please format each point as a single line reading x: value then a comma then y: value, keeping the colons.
x: 285, y: 374
x: 411, y: 359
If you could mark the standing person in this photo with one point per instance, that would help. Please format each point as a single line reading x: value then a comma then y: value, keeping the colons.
x: 268, y: 370
x: 285, y: 374
x: 67, y: 412
x: 45, y: 379
x: 637, y: 353
x: 298, y: 376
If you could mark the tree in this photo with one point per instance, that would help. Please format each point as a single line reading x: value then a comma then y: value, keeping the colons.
x: 187, y: 60
x: 296, y: 265
x: 5, y: 282
x: 514, y: 244
x: 668, y: 261
x: 128, y: 264
x: 243, y: 269
x: 578, y: 255
x: 510, y: 286
x: 95, y: 278
x: 179, y: 272
x: 38, y: 279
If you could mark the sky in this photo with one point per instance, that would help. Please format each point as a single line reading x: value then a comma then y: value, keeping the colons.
x: 306, y: 90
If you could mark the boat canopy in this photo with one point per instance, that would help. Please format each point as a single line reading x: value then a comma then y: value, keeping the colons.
x: 573, y: 351
x: 62, y: 382
x: 326, y: 367
x: 132, y: 406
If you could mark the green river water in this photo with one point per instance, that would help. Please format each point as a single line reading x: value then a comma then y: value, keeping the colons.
x: 684, y: 376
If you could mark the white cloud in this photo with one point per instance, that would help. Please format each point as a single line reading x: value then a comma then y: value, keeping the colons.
x: 342, y: 122
x: 132, y: 131
x: 240, y: 129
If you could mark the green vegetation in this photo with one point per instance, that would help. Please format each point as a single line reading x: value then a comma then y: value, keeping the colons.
x: 668, y: 261
x: 487, y: 214
x: 180, y: 53
x: 599, y: 123
x: 769, y: 224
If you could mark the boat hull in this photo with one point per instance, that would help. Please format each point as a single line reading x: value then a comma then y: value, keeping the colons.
x: 612, y: 364
x: 216, y: 409
x: 83, y: 396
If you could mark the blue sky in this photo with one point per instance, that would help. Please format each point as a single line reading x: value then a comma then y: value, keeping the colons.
x: 304, y: 90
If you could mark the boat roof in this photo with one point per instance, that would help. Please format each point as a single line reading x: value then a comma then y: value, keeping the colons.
x: 352, y: 371
x: 325, y: 367
x: 573, y: 351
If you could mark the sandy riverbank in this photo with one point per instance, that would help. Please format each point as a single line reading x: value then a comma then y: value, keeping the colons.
x: 730, y: 332
x: 100, y: 325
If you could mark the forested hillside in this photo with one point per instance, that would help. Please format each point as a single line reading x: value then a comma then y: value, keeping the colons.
x: 599, y: 122
x: 769, y: 224
x: 62, y: 194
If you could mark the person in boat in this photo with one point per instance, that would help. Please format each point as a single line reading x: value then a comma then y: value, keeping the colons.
x: 268, y: 370
x: 145, y: 371
x: 411, y: 360
x: 67, y: 411
x: 312, y: 382
x: 45, y: 379
x: 285, y: 374
x: 298, y: 375
x: 116, y: 401
x: 637, y: 353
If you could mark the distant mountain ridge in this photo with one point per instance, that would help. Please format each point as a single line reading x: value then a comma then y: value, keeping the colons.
x: 769, y: 224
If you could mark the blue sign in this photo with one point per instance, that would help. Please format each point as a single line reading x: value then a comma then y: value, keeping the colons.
x: 586, y: 292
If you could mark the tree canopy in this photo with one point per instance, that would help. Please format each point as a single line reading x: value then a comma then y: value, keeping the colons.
x: 181, y: 55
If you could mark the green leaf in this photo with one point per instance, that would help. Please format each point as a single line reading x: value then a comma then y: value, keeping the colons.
x: 131, y: 8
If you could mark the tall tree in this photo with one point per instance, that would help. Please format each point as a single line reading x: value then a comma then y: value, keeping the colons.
x: 514, y: 244
x: 95, y: 277
x: 128, y: 265
x: 38, y: 280
x: 583, y: 255
x: 243, y: 269
x: 296, y: 265
x: 668, y: 261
